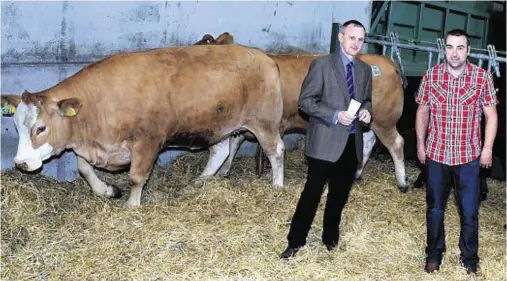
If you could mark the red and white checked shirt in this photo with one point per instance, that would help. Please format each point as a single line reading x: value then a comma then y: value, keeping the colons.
x: 454, y: 129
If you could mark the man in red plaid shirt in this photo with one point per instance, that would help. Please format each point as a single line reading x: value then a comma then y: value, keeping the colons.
x: 452, y: 97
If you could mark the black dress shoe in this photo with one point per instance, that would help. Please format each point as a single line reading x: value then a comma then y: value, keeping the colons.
x: 289, y: 253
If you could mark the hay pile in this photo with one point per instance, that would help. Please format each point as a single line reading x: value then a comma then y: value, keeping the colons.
x: 232, y: 229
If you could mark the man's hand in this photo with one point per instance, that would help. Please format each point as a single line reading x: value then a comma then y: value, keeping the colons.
x: 486, y: 158
x: 364, y: 116
x: 345, y: 119
x: 421, y: 153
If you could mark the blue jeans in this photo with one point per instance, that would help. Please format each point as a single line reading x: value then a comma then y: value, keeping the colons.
x: 467, y: 185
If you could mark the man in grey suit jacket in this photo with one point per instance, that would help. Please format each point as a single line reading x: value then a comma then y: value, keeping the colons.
x: 334, y: 138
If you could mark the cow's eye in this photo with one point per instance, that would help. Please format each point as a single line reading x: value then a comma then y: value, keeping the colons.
x: 40, y: 129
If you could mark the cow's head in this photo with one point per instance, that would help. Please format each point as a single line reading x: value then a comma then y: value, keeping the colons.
x: 41, y: 123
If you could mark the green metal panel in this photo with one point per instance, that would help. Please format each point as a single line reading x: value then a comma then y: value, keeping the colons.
x: 425, y: 21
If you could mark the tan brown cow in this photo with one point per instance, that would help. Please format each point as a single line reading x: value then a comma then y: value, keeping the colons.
x: 125, y: 108
x: 387, y: 107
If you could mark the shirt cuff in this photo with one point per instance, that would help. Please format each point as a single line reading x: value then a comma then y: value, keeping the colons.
x: 335, y: 118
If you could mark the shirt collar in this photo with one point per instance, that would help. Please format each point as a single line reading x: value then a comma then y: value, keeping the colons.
x: 345, y: 59
x: 466, y: 72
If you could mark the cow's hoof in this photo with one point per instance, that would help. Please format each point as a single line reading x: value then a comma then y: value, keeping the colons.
x: 403, y: 189
x: 223, y: 174
x: 200, y: 182
x: 128, y: 205
x: 116, y: 192
x: 358, y: 179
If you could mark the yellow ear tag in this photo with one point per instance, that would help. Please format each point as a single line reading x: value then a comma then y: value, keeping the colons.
x: 70, y: 112
x: 8, y: 109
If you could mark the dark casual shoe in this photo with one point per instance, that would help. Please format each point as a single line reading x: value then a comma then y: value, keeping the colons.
x: 431, y: 267
x: 472, y: 270
x: 330, y: 247
x: 289, y: 253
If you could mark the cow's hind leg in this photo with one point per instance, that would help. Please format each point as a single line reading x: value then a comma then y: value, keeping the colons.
x: 98, y: 186
x: 217, y: 155
x: 394, y: 143
x: 369, y: 140
x: 234, y: 146
x: 144, y: 155
x: 273, y: 146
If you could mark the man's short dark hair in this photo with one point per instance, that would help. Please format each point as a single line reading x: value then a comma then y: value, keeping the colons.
x: 354, y: 23
x: 458, y: 32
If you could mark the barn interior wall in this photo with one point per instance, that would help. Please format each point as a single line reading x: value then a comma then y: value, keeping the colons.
x: 46, y: 42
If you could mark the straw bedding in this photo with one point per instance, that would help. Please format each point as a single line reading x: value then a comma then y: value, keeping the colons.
x: 231, y: 229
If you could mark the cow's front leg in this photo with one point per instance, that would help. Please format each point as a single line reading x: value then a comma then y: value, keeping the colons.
x: 144, y: 155
x: 98, y: 186
x: 217, y: 155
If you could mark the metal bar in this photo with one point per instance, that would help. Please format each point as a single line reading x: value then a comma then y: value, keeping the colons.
x: 334, y: 37
x: 418, y: 31
x: 467, y: 24
x: 446, y: 16
x: 384, y: 50
x: 427, y: 49
x: 430, y: 58
x: 389, y: 20
x: 379, y: 15
x: 484, y: 36
x: 481, y: 61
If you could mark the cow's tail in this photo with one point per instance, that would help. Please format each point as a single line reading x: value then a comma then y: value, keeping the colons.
x: 404, y: 81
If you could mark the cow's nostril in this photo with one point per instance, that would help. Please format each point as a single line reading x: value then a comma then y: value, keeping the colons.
x: 22, y: 166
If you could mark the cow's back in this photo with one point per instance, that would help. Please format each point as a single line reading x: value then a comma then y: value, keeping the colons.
x: 187, y: 91
x: 293, y: 70
x: 387, y: 95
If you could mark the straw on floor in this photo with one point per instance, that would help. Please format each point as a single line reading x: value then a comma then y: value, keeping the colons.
x: 232, y: 229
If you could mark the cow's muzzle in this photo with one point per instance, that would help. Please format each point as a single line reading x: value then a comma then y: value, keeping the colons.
x: 22, y: 166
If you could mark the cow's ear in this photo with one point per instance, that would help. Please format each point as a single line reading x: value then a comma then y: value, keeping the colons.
x: 9, y: 104
x: 225, y: 39
x: 69, y: 107
x: 206, y: 39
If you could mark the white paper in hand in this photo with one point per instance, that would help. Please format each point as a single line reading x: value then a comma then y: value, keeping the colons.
x: 353, y: 107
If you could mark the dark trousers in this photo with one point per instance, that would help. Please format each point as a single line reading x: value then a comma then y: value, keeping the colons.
x: 339, y: 175
x: 466, y: 182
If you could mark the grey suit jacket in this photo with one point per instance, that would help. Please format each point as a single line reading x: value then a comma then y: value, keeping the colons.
x: 323, y: 92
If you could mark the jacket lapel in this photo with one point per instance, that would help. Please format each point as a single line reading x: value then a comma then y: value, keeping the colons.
x: 337, y: 66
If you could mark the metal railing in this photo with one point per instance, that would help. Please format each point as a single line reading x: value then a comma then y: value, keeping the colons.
x: 491, y: 57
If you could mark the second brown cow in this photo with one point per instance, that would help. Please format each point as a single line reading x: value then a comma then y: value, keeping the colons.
x: 387, y: 98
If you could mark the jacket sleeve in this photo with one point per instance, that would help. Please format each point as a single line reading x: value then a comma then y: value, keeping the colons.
x: 311, y: 93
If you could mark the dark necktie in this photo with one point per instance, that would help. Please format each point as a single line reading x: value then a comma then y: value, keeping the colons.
x: 352, y: 93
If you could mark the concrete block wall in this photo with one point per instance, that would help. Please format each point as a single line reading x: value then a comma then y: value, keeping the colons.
x: 45, y: 42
